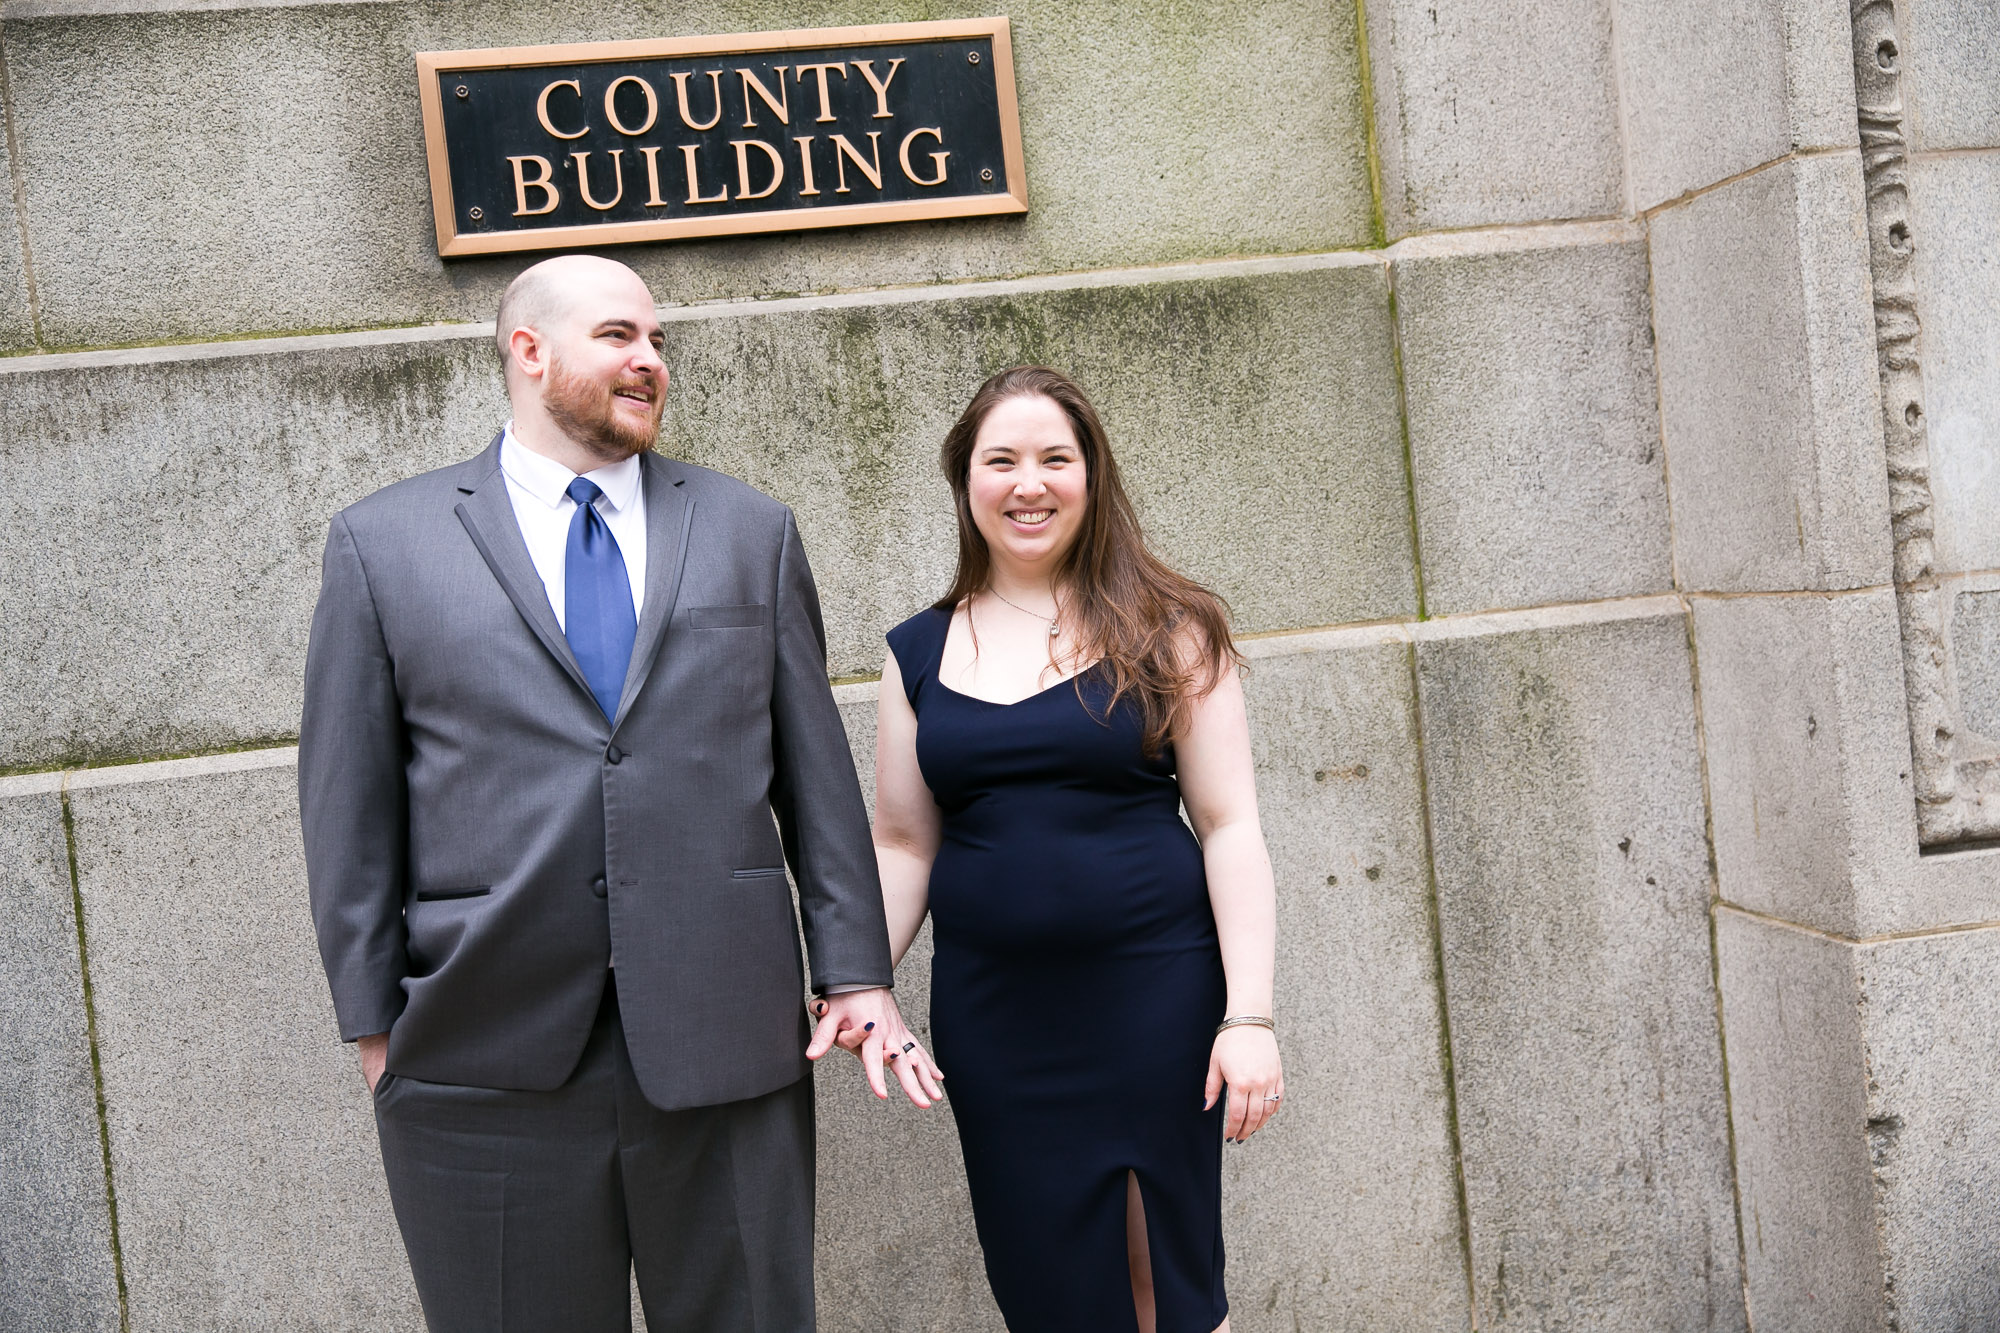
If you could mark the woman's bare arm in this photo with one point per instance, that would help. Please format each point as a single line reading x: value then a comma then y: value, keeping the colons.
x: 907, y: 823
x: 1219, y: 789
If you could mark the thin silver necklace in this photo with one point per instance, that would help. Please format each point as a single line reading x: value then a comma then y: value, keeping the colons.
x: 1055, y: 627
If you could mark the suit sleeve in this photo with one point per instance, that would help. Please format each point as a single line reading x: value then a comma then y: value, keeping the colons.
x: 351, y: 796
x: 817, y: 797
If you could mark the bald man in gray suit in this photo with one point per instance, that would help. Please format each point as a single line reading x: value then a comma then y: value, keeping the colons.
x: 554, y: 696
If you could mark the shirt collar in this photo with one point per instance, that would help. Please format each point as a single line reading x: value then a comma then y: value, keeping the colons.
x: 548, y: 480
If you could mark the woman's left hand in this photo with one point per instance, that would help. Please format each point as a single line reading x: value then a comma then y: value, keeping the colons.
x: 1245, y: 1059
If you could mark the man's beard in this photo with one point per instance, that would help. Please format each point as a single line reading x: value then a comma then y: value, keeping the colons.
x: 587, y: 412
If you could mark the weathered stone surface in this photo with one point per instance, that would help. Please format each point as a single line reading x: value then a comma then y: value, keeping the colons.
x: 1254, y: 408
x: 55, y: 1226
x: 1534, y: 430
x: 142, y: 206
x: 1254, y: 419
x: 17, y: 327
x: 1494, y: 113
x: 1808, y: 745
x: 1768, y: 382
x: 1951, y: 72
x: 1714, y: 90
x: 1955, y: 216
x: 1795, y: 711
x: 184, y: 502
x: 250, y: 1192
x: 1566, y: 812
x: 1934, y: 1140
x: 1330, y: 1228
x: 1798, y: 1096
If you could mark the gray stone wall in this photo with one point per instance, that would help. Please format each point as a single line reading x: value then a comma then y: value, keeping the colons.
x: 1511, y: 370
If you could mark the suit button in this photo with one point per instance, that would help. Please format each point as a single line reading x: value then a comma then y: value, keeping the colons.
x: 614, y: 754
x: 597, y: 886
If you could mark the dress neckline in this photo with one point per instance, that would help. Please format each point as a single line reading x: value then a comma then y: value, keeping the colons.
x: 1015, y: 703
x: 937, y: 671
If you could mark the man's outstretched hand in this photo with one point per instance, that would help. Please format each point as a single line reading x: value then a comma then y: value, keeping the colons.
x: 868, y: 1023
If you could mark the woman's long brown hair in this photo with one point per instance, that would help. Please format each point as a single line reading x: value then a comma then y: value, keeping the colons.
x: 1161, y: 638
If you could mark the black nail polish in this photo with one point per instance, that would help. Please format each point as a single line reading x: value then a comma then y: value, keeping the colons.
x: 867, y: 1027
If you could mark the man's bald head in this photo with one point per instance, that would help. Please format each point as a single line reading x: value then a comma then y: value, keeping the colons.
x: 545, y: 294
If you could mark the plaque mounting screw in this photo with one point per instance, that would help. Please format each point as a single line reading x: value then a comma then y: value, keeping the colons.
x: 972, y: 58
x: 986, y: 173
x: 475, y: 213
x: 462, y: 91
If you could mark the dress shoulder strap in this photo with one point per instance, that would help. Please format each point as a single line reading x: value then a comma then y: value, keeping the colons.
x: 918, y: 644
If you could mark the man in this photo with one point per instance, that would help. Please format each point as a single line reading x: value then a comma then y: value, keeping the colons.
x: 554, y: 696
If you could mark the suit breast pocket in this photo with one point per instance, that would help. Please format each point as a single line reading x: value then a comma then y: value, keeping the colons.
x: 751, y: 616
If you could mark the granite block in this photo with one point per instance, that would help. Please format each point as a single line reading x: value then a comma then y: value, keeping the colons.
x: 1768, y: 382
x: 1808, y: 743
x: 56, y: 1267
x: 1566, y: 812
x: 1799, y: 1104
x: 1712, y: 91
x: 1491, y: 114
x: 1933, y: 1136
x: 250, y: 1186
x: 1327, y: 1226
x: 1534, y: 430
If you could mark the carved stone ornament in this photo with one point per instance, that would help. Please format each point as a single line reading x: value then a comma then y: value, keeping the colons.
x: 1956, y: 774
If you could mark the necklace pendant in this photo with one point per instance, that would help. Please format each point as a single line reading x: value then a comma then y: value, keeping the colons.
x: 1054, y: 629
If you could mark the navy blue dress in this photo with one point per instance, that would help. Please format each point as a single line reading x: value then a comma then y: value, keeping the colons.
x: 1075, y: 990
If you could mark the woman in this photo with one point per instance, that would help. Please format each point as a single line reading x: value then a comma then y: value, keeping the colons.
x: 1039, y: 730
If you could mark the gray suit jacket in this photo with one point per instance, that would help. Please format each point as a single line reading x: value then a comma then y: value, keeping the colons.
x: 481, y: 845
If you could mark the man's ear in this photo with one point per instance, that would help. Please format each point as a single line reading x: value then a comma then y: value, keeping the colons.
x: 528, y: 351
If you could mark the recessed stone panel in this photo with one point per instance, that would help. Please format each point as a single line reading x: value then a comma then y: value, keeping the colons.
x: 1534, y: 426
x: 1955, y: 221
x: 1573, y: 893
x: 1494, y: 113
x: 56, y: 1273
x: 1951, y: 72
x: 1768, y: 382
x: 184, y: 499
x: 260, y: 169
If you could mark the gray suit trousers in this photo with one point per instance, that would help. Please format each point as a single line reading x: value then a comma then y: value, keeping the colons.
x: 528, y: 1212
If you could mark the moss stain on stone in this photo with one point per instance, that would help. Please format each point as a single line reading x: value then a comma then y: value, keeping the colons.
x: 96, y: 1063
x: 1378, y: 222
x: 1434, y: 923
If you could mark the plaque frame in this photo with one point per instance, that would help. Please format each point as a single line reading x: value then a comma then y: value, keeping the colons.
x: 452, y: 243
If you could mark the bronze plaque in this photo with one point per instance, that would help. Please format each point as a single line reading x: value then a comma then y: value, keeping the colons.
x: 540, y: 147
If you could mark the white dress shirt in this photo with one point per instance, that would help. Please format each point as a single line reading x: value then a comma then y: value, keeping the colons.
x: 539, y: 488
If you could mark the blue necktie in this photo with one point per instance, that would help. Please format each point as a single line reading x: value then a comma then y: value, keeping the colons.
x: 597, y: 599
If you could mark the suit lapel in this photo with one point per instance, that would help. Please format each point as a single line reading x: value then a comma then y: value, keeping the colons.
x: 488, y: 515
x: 669, y: 517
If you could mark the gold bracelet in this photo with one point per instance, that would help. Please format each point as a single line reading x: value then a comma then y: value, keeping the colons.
x: 1246, y: 1020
